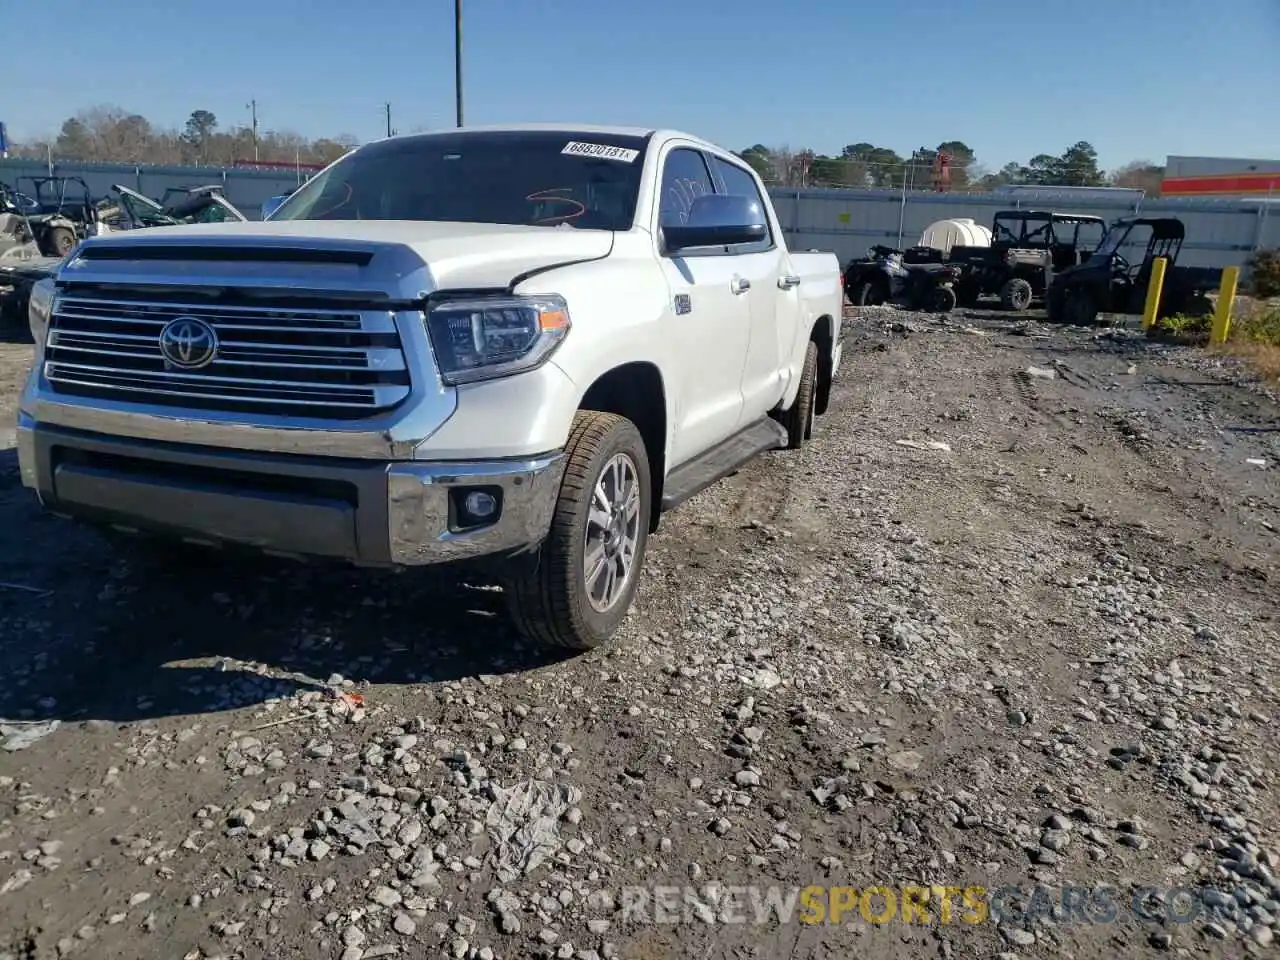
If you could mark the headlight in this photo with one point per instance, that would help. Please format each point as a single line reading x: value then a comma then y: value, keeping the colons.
x: 480, y: 339
x: 39, y: 308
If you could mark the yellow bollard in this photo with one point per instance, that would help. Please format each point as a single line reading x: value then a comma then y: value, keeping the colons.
x: 1226, y: 299
x: 1154, y: 287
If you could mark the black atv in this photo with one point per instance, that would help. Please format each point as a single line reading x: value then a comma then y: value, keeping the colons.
x: 888, y: 275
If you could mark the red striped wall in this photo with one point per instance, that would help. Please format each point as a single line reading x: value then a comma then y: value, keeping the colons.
x: 1231, y: 184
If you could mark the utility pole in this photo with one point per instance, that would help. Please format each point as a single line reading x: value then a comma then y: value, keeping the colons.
x: 390, y: 132
x: 253, y: 108
x: 457, y: 56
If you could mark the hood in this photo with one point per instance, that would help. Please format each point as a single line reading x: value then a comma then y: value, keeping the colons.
x: 34, y: 268
x: 199, y: 201
x: 122, y: 191
x: 457, y: 254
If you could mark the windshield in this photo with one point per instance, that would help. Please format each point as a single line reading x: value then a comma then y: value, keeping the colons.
x: 1112, y: 241
x: 55, y: 191
x: 517, y: 177
x: 1021, y: 230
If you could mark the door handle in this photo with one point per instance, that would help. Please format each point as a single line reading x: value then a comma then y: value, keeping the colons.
x: 739, y: 284
x: 789, y: 281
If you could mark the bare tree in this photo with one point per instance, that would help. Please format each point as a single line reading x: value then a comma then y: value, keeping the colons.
x: 108, y: 133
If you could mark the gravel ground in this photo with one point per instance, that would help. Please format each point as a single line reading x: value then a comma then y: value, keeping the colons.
x: 1008, y: 622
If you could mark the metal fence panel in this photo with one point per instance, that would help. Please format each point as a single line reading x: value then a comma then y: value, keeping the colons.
x: 1219, y: 232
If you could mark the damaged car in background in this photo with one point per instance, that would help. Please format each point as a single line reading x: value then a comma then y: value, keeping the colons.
x: 130, y: 210
x: 23, y: 262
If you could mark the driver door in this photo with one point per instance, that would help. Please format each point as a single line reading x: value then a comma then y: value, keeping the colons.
x: 708, y: 318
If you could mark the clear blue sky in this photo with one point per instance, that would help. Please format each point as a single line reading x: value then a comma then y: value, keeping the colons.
x: 1137, y: 78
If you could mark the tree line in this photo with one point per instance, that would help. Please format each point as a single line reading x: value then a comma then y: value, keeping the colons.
x: 865, y: 165
x: 111, y: 134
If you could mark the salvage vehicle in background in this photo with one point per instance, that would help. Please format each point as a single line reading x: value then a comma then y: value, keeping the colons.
x: 16, y: 240
x: 130, y: 210
x: 272, y: 204
x: 509, y: 345
x: 887, y: 275
x: 1109, y: 283
x: 63, y: 213
x: 1027, y: 248
x: 206, y: 204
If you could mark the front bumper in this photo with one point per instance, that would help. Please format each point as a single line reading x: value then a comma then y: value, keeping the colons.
x: 366, y: 512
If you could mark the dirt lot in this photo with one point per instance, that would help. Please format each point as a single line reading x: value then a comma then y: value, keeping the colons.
x: 1040, y: 660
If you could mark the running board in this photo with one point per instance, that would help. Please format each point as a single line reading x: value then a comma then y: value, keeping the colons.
x: 721, y: 460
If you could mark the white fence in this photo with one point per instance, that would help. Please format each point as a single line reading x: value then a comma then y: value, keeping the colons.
x: 1219, y: 232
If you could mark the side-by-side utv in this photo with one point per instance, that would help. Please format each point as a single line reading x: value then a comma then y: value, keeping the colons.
x: 1108, y: 282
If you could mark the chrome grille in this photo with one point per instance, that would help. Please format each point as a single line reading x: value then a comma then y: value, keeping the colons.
x: 283, y: 360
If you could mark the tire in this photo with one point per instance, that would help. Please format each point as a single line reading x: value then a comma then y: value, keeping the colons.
x: 1080, y: 309
x: 550, y: 601
x: 942, y: 300
x: 863, y: 294
x: 1015, y: 294
x: 59, y: 241
x: 1055, y: 303
x: 799, y: 418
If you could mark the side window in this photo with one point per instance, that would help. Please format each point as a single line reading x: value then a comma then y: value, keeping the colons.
x: 684, y: 178
x: 739, y: 183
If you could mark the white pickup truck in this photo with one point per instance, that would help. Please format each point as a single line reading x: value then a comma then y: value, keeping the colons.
x: 520, y: 344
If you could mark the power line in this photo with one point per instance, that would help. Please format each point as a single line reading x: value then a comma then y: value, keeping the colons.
x: 457, y: 58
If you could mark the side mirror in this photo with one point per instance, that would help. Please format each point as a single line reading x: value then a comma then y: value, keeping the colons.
x: 718, y: 220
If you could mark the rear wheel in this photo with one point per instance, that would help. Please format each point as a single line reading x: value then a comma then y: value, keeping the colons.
x: 799, y: 419
x: 1015, y: 294
x: 941, y: 300
x: 863, y: 294
x: 583, y: 583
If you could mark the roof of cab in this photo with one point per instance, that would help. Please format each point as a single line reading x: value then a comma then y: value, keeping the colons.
x: 583, y: 129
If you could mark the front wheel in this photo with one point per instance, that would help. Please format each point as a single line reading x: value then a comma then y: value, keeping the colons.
x: 1080, y: 309
x: 580, y: 589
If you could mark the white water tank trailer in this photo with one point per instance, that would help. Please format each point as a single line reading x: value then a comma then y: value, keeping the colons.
x: 957, y: 231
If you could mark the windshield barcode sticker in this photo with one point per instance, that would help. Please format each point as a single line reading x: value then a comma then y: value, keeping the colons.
x: 603, y: 150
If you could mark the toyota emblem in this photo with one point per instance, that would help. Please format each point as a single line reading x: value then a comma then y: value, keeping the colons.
x: 189, y: 343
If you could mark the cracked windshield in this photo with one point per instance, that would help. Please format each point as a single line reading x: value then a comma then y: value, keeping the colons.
x: 488, y: 482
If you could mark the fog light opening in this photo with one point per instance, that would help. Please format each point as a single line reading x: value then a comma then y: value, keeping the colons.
x: 475, y: 507
x: 480, y: 504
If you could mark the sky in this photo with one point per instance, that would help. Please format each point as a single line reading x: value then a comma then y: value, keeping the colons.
x: 1139, y: 79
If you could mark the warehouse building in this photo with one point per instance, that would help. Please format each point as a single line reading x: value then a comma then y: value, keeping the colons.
x: 1220, y: 177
